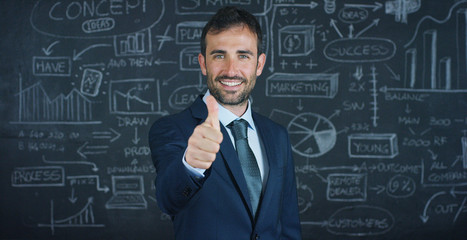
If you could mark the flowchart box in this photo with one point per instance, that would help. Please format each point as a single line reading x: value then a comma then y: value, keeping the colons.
x: 51, y: 66
x: 373, y: 145
x: 189, y: 32
x: 304, y: 85
x: 346, y: 187
x: 189, y: 59
x: 296, y: 40
x: 53, y: 176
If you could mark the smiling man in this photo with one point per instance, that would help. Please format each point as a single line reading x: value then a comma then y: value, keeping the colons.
x: 223, y: 171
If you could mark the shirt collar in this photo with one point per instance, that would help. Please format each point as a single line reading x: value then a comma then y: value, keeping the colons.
x: 226, y: 116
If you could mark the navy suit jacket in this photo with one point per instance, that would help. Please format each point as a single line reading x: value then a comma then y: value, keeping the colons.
x: 217, y: 206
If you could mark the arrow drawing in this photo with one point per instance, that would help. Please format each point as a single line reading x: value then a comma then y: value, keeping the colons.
x: 408, y: 109
x: 300, y: 106
x: 98, y: 185
x: 76, y: 56
x: 94, y: 166
x: 106, y: 135
x: 333, y: 25
x: 425, y: 217
x: 358, y: 74
x: 320, y: 223
x: 394, y: 75
x: 72, y: 198
x: 375, y: 6
x: 91, y: 150
x: 374, y: 23
x: 351, y: 28
x: 49, y: 50
x: 159, y: 62
x: 379, y: 189
x: 136, y: 139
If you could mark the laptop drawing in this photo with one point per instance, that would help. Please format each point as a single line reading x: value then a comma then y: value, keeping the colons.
x: 127, y: 193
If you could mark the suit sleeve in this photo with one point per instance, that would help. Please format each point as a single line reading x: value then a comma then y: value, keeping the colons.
x: 175, y: 187
x: 290, y: 221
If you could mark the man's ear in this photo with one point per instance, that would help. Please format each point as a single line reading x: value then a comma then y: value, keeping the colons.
x: 202, y: 63
x: 260, y: 65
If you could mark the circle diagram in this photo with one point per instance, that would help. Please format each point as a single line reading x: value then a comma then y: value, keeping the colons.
x: 311, y: 135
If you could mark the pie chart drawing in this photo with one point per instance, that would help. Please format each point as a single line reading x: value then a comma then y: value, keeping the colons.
x: 311, y: 135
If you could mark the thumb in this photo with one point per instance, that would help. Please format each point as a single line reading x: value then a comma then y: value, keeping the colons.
x: 213, y: 113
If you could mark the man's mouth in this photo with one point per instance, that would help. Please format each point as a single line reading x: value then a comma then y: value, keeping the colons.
x: 231, y: 84
x: 231, y: 81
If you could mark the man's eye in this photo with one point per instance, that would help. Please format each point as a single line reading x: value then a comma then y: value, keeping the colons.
x: 219, y: 56
x: 243, y: 57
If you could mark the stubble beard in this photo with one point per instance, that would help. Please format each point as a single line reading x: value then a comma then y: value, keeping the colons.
x: 223, y: 99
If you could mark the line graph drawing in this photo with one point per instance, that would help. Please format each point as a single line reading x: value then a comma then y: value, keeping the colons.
x: 134, y: 96
x: 36, y: 107
x: 82, y: 219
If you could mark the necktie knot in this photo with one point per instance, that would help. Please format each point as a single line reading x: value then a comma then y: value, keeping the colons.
x: 239, y: 129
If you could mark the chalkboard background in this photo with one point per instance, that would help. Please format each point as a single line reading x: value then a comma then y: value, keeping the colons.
x: 373, y: 94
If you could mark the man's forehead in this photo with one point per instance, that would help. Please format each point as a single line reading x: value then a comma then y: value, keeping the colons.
x: 236, y: 31
x: 235, y: 28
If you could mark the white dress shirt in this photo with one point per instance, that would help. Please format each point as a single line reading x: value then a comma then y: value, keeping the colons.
x: 226, y: 117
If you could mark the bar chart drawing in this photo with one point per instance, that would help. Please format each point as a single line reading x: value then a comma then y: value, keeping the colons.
x: 428, y: 69
x: 36, y: 107
x: 461, y: 46
x: 133, y: 44
x: 83, y: 218
x: 464, y: 151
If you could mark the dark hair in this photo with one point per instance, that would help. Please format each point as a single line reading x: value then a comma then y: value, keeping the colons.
x: 228, y: 17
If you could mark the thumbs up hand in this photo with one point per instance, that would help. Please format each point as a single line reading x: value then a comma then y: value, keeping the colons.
x: 205, y: 141
x: 213, y: 113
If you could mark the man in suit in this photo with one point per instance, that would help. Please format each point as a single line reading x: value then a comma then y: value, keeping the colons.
x: 223, y: 171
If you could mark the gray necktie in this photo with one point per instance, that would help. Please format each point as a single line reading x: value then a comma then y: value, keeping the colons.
x: 247, y: 161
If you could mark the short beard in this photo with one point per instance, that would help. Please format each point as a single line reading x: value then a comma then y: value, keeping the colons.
x: 242, y: 98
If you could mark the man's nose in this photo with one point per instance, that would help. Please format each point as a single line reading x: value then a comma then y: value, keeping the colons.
x: 231, y: 67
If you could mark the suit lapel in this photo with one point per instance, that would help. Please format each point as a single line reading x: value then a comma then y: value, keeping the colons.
x: 233, y: 165
x: 266, y: 136
x: 228, y: 153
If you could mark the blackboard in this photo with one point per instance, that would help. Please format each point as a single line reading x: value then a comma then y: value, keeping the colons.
x: 373, y: 94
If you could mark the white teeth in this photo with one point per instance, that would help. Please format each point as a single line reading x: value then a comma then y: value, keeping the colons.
x: 231, y: 84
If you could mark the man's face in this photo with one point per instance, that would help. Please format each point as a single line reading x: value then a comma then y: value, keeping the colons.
x: 231, y: 65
